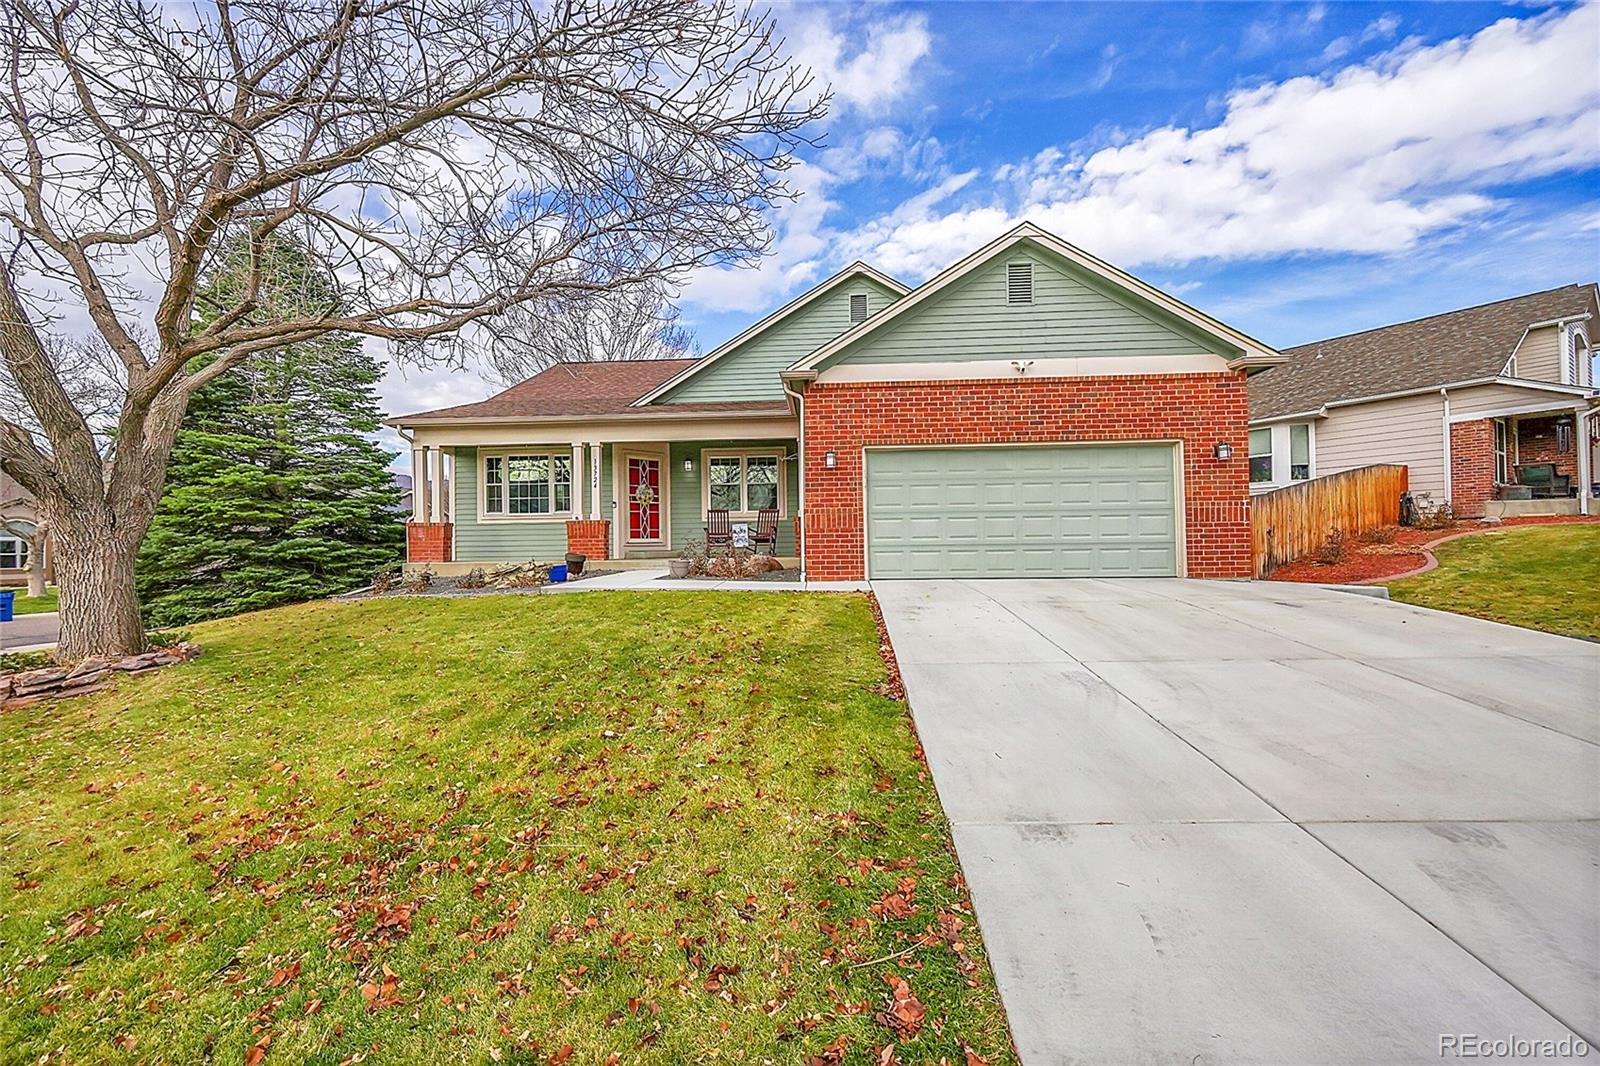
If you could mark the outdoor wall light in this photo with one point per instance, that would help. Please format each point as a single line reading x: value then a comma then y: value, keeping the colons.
x: 688, y: 466
x: 1223, y: 450
x: 830, y: 459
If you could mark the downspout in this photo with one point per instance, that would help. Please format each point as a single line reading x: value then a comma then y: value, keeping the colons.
x: 800, y: 446
x: 1449, y: 487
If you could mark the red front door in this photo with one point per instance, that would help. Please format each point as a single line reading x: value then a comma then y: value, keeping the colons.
x: 644, y: 499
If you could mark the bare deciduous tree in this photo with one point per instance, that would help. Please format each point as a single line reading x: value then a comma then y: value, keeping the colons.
x: 637, y: 322
x: 449, y: 161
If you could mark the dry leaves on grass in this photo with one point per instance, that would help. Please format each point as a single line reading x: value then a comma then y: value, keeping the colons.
x: 905, y: 1012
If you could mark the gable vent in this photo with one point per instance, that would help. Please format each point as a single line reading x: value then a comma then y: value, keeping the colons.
x: 858, y: 307
x: 1019, y: 283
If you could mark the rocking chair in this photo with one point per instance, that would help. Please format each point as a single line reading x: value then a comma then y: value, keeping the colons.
x: 719, y: 531
x: 766, y: 530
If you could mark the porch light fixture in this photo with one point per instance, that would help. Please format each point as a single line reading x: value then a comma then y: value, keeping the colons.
x: 1222, y: 450
x: 688, y: 466
x: 830, y: 459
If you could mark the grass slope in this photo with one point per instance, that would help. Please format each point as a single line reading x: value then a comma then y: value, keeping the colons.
x: 641, y: 828
x: 1540, y: 577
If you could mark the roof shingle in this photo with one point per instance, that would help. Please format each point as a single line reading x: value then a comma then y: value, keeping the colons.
x: 590, y: 388
x: 1455, y: 346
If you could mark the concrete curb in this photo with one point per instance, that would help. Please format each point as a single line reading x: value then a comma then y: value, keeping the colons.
x: 1375, y: 592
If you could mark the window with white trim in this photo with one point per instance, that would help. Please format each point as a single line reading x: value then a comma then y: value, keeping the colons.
x: 1260, y: 455
x: 1502, y: 468
x: 743, y: 482
x: 13, y: 553
x: 527, y: 483
x: 1282, y: 454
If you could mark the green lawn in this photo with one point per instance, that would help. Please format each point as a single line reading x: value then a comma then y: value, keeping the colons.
x: 25, y: 604
x: 620, y: 827
x: 1541, y: 577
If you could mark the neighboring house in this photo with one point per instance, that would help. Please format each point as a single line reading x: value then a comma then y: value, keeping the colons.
x: 1472, y: 401
x: 19, y: 522
x: 1031, y: 410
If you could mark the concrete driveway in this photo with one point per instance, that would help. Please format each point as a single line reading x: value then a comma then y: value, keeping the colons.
x: 1220, y: 822
x: 28, y: 631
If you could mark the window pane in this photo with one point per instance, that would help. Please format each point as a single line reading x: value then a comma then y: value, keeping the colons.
x: 563, y: 479
x: 493, y: 486
x: 13, y: 553
x: 530, y: 483
x: 761, y: 482
x: 724, y: 474
x: 1260, y: 455
x: 1299, y: 452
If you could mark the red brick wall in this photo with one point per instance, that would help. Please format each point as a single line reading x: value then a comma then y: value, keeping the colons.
x: 591, y: 537
x: 1471, y: 467
x: 1536, y: 443
x: 1198, y: 409
x: 428, y: 542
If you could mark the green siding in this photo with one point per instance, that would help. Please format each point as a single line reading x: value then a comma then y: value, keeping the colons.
x: 500, y: 541
x: 507, y: 541
x: 688, y: 520
x: 1073, y: 314
x: 1022, y: 512
x: 750, y: 372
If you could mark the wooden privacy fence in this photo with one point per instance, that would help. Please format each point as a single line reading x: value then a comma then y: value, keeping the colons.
x: 1289, y: 524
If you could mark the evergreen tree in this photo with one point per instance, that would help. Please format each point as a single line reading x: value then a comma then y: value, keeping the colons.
x: 276, y: 492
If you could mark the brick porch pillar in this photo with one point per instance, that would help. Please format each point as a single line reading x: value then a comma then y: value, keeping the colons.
x: 1471, y: 467
x: 429, y: 542
x: 590, y: 537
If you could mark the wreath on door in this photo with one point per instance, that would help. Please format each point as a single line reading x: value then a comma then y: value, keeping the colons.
x: 644, y: 495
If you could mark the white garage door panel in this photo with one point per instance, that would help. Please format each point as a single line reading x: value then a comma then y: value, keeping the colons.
x: 1103, y: 510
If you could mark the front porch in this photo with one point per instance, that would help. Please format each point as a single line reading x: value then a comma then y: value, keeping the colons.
x: 623, y: 503
x: 1533, y: 463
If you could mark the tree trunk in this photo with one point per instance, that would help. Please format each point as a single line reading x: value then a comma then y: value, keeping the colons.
x: 94, y: 562
x: 36, y: 550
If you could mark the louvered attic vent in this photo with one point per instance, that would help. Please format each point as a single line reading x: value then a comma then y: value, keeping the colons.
x: 1019, y: 283
x: 858, y: 307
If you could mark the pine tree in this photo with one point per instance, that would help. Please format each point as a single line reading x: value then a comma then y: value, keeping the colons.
x: 276, y: 491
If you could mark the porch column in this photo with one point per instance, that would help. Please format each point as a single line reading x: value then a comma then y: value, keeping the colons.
x: 435, y: 485
x: 594, y: 481
x: 1585, y: 428
x: 577, y: 481
x: 419, y: 483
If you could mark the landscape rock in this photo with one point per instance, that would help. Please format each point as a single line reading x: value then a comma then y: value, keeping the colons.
x: 20, y: 688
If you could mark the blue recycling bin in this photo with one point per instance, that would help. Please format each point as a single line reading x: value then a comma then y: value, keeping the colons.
x: 558, y: 573
x: 7, y: 603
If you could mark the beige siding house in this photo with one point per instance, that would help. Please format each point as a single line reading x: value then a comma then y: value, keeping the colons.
x: 1492, y: 408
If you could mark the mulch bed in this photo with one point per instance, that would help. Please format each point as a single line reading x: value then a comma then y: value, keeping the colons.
x: 1396, y: 550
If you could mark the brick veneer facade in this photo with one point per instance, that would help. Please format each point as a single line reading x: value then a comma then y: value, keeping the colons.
x: 428, y: 542
x: 590, y: 537
x: 1537, y: 443
x: 1471, y: 467
x: 1197, y: 409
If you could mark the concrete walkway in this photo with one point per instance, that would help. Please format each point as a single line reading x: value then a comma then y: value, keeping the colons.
x: 1217, y: 822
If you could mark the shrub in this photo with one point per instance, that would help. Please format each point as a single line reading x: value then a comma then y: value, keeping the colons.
x: 473, y: 579
x: 1334, y: 550
x: 419, y: 581
x: 385, y: 581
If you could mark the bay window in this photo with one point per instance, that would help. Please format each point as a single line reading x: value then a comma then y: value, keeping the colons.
x: 527, y: 483
x: 743, y: 482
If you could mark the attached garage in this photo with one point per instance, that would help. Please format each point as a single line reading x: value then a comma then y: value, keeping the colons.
x: 1030, y: 511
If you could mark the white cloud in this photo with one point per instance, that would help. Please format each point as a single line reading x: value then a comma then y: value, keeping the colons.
x: 1370, y: 159
x: 877, y: 72
x: 1382, y: 28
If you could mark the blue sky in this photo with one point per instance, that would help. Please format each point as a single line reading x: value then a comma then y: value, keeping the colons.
x: 1298, y: 170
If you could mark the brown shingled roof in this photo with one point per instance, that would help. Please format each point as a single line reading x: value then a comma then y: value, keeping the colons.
x: 591, y: 388
x: 1456, y: 346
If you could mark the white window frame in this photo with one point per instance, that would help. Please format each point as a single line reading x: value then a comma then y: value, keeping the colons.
x: 551, y: 452
x: 1283, y: 456
x: 744, y: 455
x: 1251, y: 455
x: 1572, y: 360
x: 1503, y: 432
x: 21, y: 552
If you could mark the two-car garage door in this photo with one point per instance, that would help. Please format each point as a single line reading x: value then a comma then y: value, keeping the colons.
x: 1056, y: 511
